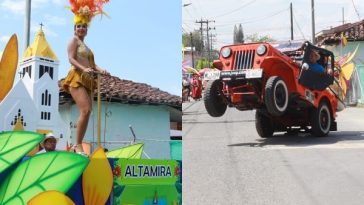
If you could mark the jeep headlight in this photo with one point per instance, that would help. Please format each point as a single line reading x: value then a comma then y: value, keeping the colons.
x: 261, y: 49
x: 226, y: 52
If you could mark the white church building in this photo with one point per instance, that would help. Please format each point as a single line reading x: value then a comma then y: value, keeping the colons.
x: 33, y: 102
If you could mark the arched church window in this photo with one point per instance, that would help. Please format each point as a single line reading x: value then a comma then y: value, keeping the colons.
x: 28, y: 70
x: 41, y: 70
x: 45, y: 69
x: 46, y: 98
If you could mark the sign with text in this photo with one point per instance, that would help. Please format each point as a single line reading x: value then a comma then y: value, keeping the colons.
x: 146, y: 171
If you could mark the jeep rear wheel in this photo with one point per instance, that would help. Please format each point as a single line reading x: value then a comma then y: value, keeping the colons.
x: 263, y: 124
x: 321, y: 120
x: 214, y: 102
x: 276, y: 96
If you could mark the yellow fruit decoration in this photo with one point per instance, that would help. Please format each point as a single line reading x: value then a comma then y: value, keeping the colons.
x: 51, y: 197
x: 8, y: 64
x: 97, y: 179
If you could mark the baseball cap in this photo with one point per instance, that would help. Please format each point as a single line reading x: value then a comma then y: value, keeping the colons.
x: 48, y: 136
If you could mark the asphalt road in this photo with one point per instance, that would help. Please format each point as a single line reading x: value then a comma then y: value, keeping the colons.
x: 226, y: 162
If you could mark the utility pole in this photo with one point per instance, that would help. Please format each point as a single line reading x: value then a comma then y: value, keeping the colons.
x: 291, y: 9
x: 193, y: 59
x: 313, y: 21
x: 207, y: 35
x: 210, y: 41
x: 208, y: 44
x: 343, y: 14
x: 201, y: 30
x: 28, y: 4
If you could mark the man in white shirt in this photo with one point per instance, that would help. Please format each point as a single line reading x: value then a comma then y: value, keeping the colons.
x: 49, y: 143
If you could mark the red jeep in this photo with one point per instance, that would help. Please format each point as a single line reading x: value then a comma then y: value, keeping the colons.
x: 277, y: 81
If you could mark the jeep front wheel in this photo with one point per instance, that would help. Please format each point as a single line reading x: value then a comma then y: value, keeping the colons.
x: 263, y: 124
x: 276, y: 96
x: 321, y: 120
x: 214, y: 102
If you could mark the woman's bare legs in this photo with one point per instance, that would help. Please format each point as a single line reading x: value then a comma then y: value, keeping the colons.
x: 84, y: 103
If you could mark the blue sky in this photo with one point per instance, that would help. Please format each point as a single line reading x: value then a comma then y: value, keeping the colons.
x: 268, y: 17
x: 140, y: 42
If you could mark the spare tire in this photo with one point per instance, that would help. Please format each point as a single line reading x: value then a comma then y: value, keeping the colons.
x: 276, y: 96
x: 214, y: 102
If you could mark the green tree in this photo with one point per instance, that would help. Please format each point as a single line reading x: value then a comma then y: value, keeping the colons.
x: 235, y: 34
x: 255, y: 38
x: 238, y: 35
x: 196, y: 40
x: 203, y: 63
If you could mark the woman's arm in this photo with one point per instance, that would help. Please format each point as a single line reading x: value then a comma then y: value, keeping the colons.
x: 71, y: 50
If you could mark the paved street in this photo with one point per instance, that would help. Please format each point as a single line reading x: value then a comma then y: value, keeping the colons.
x: 226, y: 162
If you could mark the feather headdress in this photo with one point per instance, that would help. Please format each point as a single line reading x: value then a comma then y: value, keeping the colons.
x: 85, y: 10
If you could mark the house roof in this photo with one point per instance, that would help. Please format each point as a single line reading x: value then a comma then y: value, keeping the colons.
x: 40, y: 48
x: 351, y: 31
x: 115, y: 89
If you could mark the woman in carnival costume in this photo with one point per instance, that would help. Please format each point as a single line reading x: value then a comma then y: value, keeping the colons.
x: 79, y: 81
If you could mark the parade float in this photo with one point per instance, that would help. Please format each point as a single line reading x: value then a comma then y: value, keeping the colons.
x: 29, y: 109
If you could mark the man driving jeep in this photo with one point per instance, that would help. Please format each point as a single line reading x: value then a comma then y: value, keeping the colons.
x: 312, y: 62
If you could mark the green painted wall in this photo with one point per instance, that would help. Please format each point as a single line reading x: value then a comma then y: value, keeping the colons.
x: 150, y: 123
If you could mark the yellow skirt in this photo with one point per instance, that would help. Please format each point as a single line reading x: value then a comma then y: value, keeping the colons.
x: 77, y: 78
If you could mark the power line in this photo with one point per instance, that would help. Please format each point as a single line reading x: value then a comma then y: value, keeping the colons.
x: 356, y: 10
x: 201, y: 22
x: 298, y: 26
x: 188, y: 12
x: 253, y: 20
x: 200, y: 8
x: 237, y: 9
x: 189, y: 27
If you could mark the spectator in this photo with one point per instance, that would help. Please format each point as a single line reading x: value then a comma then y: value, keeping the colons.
x: 49, y: 143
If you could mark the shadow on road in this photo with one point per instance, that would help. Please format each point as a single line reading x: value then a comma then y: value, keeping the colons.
x: 301, y: 139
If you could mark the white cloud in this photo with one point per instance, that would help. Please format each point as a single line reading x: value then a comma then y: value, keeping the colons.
x: 39, y: 3
x: 54, y: 20
x: 16, y: 7
x: 60, y: 2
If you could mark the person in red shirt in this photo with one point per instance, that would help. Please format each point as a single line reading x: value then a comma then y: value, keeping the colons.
x: 196, y: 87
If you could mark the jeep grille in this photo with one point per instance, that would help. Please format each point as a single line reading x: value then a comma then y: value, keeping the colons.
x: 243, y: 59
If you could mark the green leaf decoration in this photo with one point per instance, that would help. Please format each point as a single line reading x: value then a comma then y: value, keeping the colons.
x: 131, y: 152
x: 44, y: 172
x: 15, y: 144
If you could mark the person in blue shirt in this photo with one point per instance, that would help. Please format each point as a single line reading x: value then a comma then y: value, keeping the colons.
x: 312, y: 62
